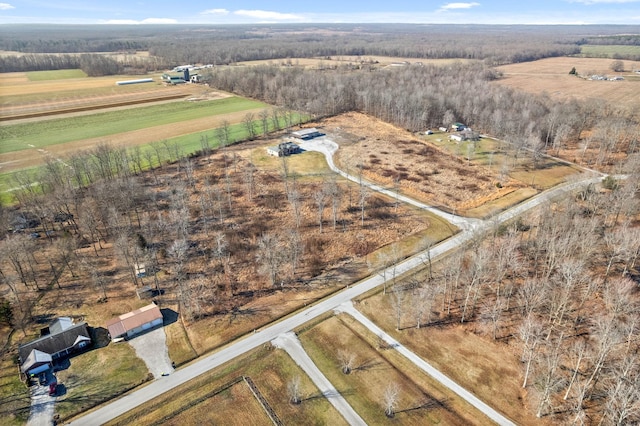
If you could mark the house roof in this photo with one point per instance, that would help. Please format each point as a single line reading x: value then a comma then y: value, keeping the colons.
x: 56, y: 342
x: 60, y: 324
x: 305, y: 132
x: 126, y: 322
x: 35, y: 357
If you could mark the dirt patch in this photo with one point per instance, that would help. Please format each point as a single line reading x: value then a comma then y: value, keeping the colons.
x: 394, y: 157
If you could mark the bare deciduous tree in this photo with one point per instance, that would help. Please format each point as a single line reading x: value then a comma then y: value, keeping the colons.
x: 293, y: 388
x: 347, y: 360
x: 390, y: 399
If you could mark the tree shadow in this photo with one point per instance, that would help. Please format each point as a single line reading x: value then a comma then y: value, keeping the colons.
x: 429, y: 403
x: 330, y: 394
x: 100, y: 337
x: 367, y: 365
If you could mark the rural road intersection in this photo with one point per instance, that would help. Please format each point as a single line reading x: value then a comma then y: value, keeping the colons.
x: 275, y: 330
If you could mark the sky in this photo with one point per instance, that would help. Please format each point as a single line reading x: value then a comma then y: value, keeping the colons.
x: 140, y: 12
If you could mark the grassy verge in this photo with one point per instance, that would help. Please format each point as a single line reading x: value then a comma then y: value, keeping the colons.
x: 269, y: 369
x: 97, y: 376
x: 180, y: 350
x: 40, y: 134
x: 55, y: 75
x: 490, y: 208
x: 421, y: 400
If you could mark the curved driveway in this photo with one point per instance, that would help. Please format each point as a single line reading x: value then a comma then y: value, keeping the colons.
x: 270, y: 332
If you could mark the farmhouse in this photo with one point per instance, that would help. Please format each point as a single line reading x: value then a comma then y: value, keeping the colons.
x: 284, y: 149
x: 306, y: 134
x: 134, y: 322
x: 58, y: 341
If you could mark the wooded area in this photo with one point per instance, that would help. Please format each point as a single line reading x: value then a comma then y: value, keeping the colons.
x: 214, y: 230
x: 178, y: 44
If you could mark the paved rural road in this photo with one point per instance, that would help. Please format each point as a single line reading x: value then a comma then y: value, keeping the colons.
x: 290, y: 343
x: 164, y: 384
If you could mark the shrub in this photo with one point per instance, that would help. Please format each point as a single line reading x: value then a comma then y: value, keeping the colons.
x: 610, y: 183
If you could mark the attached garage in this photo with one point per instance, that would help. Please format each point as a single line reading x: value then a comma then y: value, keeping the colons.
x: 135, y: 322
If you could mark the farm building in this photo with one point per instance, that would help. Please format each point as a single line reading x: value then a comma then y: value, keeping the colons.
x: 284, y: 149
x: 458, y: 127
x: 58, y: 341
x: 466, y: 135
x: 174, y: 79
x: 135, y: 322
x: 140, y: 80
x: 306, y: 134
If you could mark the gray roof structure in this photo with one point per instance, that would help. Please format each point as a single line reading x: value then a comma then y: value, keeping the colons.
x: 56, y: 342
x: 35, y: 357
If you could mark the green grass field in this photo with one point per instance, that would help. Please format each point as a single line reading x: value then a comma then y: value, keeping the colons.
x: 187, y: 144
x: 51, y: 132
x: 55, y: 75
x: 608, y: 51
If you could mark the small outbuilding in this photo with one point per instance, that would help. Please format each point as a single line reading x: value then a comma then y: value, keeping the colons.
x: 306, y: 134
x: 135, y: 322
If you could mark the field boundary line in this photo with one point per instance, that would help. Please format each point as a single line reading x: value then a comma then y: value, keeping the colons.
x: 263, y: 402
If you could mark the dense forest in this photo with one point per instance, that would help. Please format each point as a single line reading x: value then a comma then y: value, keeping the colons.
x: 176, y: 45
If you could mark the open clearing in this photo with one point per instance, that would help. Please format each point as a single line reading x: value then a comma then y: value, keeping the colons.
x: 435, y: 170
x: 552, y: 76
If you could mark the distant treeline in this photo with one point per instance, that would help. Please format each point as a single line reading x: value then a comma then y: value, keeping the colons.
x: 92, y: 64
x: 226, y: 44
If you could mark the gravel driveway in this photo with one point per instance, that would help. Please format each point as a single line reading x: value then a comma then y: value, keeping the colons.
x: 151, y: 347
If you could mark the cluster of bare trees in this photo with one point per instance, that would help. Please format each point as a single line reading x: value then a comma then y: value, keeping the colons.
x: 76, y: 215
x: 417, y: 97
x: 564, y: 289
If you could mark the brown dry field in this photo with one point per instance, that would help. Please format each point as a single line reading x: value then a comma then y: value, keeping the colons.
x: 551, y: 76
x: 346, y: 59
x: 425, y: 172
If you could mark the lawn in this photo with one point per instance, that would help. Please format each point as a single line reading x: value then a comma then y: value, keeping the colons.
x: 495, y: 154
x: 55, y: 75
x: 97, y: 376
x: 63, y: 130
